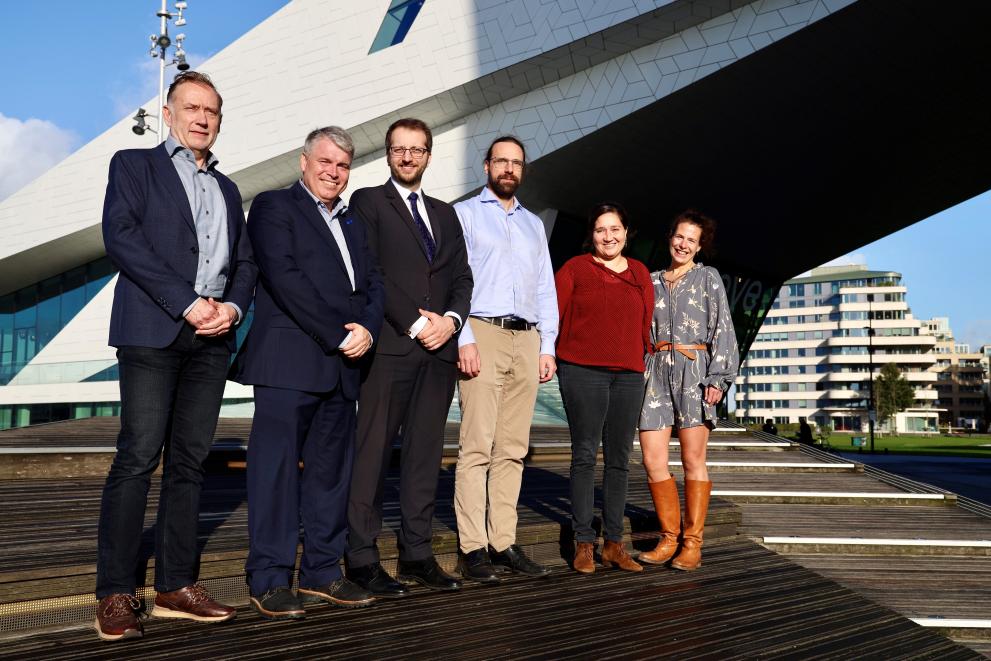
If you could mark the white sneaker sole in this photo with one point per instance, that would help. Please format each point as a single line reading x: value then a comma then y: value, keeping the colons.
x: 161, y: 611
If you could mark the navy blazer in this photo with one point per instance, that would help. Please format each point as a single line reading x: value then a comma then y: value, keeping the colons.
x: 149, y: 234
x: 304, y: 297
x: 412, y: 282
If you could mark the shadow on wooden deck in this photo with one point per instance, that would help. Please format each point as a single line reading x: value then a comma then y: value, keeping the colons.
x: 746, y: 602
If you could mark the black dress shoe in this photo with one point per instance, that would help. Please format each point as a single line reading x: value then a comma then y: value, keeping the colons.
x: 513, y: 559
x: 376, y: 580
x: 341, y: 592
x: 427, y: 573
x: 476, y: 566
x: 278, y: 604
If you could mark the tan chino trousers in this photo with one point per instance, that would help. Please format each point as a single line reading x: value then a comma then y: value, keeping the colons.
x: 496, y: 410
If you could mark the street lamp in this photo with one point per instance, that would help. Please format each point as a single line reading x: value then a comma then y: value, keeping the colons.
x: 160, y: 44
x: 871, y: 407
x: 140, y: 125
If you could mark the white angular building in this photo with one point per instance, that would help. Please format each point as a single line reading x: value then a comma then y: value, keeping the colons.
x: 961, y: 375
x: 813, y: 356
x: 740, y: 108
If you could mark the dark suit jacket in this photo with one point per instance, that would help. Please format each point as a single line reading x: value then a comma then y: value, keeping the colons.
x: 411, y: 282
x: 148, y: 232
x: 304, y: 297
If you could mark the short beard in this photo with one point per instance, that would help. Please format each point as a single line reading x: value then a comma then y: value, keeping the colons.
x: 504, y: 189
x: 409, y: 182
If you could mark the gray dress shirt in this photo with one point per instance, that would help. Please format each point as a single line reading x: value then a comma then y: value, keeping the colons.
x: 209, y: 208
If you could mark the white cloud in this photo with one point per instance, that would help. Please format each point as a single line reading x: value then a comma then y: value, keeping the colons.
x: 143, y: 85
x: 29, y: 148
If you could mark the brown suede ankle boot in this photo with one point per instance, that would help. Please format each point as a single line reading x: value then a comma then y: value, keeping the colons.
x: 584, y: 564
x: 614, y: 553
x: 665, y: 496
x: 696, y: 507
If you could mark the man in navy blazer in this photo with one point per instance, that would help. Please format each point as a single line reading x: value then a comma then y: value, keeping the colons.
x: 174, y: 226
x: 318, y: 307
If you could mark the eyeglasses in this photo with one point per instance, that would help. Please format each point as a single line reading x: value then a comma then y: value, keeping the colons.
x: 505, y: 163
x: 416, y: 152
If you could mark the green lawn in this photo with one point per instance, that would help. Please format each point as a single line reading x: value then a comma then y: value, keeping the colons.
x: 976, y: 445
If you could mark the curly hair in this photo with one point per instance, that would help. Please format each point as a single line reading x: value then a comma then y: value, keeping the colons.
x: 704, y: 223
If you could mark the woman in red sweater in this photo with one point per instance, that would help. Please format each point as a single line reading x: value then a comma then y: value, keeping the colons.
x: 606, y: 302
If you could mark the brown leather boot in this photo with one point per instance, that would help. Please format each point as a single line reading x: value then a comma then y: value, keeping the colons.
x: 665, y: 496
x: 614, y: 553
x: 584, y: 564
x: 696, y: 507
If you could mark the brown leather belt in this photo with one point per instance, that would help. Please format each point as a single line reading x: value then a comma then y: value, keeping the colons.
x: 683, y: 349
x: 507, y: 323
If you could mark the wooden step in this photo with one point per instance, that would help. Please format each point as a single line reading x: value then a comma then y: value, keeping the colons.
x: 887, y: 546
x: 777, y: 496
x: 48, y: 536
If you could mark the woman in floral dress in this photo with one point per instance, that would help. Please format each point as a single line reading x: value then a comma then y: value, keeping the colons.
x: 694, y: 362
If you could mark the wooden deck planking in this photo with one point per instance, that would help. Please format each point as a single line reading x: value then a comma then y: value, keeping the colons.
x: 916, y: 586
x: 894, y: 522
x: 838, y: 482
x: 745, y: 602
x: 46, y: 523
x: 102, y: 432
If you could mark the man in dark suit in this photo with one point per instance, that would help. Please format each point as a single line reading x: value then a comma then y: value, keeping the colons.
x: 317, y: 310
x: 174, y: 227
x: 409, y: 386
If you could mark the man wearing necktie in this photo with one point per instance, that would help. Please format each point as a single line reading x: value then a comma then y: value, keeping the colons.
x: 420, y: 248
x: 318, y: 308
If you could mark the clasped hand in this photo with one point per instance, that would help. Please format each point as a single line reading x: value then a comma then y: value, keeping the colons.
x: 437, y: 332
x: 359, y: 342
x: 211, y: 318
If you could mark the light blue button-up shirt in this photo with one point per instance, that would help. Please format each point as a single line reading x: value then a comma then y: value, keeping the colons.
x: 511, y: 266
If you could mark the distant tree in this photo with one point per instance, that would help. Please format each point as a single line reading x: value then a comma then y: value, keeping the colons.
x: 892, y: 393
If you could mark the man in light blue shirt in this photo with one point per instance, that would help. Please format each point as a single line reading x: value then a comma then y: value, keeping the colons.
x: 504, y: 351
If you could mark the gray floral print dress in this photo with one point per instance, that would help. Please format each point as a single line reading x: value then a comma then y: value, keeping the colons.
x: 695, y: 312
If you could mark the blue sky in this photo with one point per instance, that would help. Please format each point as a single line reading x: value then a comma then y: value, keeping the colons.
x: 945, y: 264
x: 72, y: 69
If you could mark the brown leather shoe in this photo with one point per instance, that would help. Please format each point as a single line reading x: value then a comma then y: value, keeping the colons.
x: 116, y: 618
x: 584, y: 564
x: 614, y: 553
x: 192, y: 602
x: 665, y: 497
x: 696, y: 507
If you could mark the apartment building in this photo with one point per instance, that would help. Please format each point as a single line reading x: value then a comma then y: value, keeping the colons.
x: 960, y: 377
x: 824, y: 338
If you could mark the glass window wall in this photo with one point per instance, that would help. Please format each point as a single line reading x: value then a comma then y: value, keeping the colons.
x: 31, y: 317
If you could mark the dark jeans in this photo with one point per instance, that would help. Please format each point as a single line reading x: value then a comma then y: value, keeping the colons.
x: 170, y: 398
x: 602, y: 406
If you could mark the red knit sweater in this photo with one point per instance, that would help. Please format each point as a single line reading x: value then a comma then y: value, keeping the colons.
x: 605, y: 316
